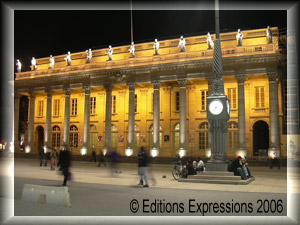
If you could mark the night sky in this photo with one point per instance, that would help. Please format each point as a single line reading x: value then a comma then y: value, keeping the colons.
x: 41, y: 33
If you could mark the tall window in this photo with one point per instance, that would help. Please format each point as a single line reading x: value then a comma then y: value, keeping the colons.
x: 73, y: 136
x: 55, y: 136
x: 93, y: 106
x: 114, y: 104
x: 135, y: 103
x: 231, y: 94
x: 177, y: 136
x: 203, y: 99
x: 40, y: 108
x: 259, y: 97
x: 203, y: 136
x: 56, y: 107
x: 177, y: 101
x: 74, y: 107
x: 232, y: 136
x: 93, y: 136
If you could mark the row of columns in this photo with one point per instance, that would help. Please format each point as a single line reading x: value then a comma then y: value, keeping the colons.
x: 274, y: 121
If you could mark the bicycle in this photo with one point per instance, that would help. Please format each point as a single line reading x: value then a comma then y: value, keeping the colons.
x: 176, y: 172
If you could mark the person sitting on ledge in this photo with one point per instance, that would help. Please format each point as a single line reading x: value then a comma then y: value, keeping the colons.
x: 236, y: 168
x: 199, y: 165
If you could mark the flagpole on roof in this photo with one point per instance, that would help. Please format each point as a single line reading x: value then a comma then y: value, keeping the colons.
x: 131, y: 20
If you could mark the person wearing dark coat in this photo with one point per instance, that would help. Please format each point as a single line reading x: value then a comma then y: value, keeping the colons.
x: 236, y: 168
x: 190, y: 168
x: 65, y: 163
x: 143, y: 167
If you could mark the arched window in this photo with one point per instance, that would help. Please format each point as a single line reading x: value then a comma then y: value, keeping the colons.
x: 55, y: 136
x: 203, y: 136
x: 73, y: 136
x: 93, y: 136
x: 232, y: 137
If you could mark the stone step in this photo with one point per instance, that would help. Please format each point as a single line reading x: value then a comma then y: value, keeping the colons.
x: 209, y: 181
x: 217, y: 173
x: 213, y: 177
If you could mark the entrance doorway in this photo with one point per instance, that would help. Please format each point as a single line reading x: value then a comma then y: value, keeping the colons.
x: 260, y: 138
x: 39, y: 137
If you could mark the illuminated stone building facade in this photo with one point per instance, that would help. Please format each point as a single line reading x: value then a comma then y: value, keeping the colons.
x: 155, y: 100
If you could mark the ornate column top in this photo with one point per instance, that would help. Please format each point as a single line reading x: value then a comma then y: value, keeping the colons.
x: 49, y: 93
x: 182, y: 82
x: 131, y: 86
x: 272, y: 76
x: 87, y: 90
x: 108, y: 87
x: 156, y: 84
x: 67, y: 91
x: 31, y: 94
x: 241, y: 78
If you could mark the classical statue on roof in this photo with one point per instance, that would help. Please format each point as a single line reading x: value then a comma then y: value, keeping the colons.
x: 89, y: 56
x: 269, y: 35
x: 68, y: 59
x: 110, y: 52
x: 52, y: 61
x: 239, y: 37
x: 19, y: 66
x: 33, y: 64
x: 156, y: 47
x: 209, y: 41
x: 181, y: 44
x: 132, y: 50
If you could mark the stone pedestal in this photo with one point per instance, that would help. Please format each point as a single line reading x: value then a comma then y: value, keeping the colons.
x: 216, y: 166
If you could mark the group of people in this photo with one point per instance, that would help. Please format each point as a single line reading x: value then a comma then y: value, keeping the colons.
x: 192, y: 167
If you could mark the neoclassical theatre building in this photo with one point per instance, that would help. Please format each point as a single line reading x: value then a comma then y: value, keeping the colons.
x: 157, y: 100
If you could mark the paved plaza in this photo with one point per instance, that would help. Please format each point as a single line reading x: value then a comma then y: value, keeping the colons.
x: 94, y: 191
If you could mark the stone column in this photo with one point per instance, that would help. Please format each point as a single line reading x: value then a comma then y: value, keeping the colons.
x: 241, y: 113
x: 131, y: 117
x: 48, y: 119
x: 16, y: 121
x: 31, y: 122
x: 108, y: 117
x: 274, y: 134
x: 86, y: 125
x: 66, y: 138
x: 156, y: 115
x: 182, y: 107
x: 210, y: 89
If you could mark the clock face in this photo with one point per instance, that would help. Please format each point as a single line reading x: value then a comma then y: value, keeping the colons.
x: 216, y: 107
x: 228, y: 107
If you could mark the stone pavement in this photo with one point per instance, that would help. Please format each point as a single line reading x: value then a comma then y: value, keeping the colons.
x: 266, y: 179
x: 95, y: 191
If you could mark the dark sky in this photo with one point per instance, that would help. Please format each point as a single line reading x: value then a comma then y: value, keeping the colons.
x: 41, y: 33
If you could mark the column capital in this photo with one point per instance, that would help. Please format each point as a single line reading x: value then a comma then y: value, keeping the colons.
x: 272, y: 76
x: 49, y: 93
x: 156, y: 84
x: 241, y: 77
x: 108, y: 87
x: 182, y: 82
x: 67, y: 91
x: 131, y: 86
x: 87, y: 90
x: 31, y: 94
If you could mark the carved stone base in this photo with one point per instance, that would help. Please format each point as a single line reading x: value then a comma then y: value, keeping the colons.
x: 215, y: 166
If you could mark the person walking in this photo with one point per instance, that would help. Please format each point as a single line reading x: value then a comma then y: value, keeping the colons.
x: 143, y: 167
x: 54, y: 156
x: 65, y: 163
